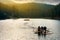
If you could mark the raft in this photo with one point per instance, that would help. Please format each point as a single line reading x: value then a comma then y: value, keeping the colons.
x: 47, y: 32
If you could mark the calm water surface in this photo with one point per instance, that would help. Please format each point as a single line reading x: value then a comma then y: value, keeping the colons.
x: 18, y: 29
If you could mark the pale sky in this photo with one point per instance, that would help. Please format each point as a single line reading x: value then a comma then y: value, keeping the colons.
x: 53, y: 2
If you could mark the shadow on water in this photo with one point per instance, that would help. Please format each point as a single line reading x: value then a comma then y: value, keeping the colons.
x: 41, y: 37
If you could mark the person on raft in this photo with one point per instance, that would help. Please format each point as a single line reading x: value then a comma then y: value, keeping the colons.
x: 39, y: 30
x: 42, y: 30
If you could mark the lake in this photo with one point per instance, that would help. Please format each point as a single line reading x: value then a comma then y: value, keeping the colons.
x: 18, y: 29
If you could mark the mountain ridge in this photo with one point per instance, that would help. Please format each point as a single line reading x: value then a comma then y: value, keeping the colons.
x: 30, y: 10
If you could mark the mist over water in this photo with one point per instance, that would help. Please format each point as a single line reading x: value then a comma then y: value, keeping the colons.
x: 18, y: 29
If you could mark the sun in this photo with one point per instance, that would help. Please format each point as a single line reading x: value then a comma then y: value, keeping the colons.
x: 22, y: 1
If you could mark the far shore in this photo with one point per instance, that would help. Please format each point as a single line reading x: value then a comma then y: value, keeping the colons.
x: 56, y: 18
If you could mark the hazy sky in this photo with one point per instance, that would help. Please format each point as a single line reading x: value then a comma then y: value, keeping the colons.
x: 53, y: 2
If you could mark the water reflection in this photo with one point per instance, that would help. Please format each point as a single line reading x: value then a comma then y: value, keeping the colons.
x: 24, y: 30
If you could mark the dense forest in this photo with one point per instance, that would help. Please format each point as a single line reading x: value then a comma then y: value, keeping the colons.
x: 29, y: 10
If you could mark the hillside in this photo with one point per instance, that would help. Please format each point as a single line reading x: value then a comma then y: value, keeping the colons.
x: 28, y: 10
x: 57, y: 10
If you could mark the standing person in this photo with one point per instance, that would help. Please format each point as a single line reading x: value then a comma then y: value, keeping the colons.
x: 42, y: 29
x: 45, y: 29
x: 39, y: 30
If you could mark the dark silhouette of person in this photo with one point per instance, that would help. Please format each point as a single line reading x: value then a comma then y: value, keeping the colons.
x: 39, y: 30
x: 45, y: 29
x: 42, y: 28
